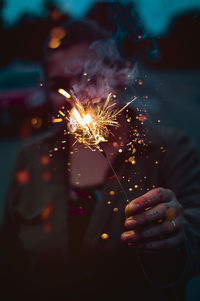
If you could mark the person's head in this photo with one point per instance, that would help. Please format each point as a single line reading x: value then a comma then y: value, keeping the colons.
x: 82, y: 55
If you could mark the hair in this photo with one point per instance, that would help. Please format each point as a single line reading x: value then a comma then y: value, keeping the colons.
x: 84, y: 31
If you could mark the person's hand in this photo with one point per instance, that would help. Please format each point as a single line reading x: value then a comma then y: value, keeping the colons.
x: 154, y: 221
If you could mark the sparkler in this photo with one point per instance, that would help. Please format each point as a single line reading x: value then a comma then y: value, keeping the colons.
x: 89, y: 125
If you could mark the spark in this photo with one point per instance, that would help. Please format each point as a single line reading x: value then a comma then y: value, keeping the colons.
x: 57, y: 120
x: 61, y: 113
x: 90, y: 125
x: 64, y: 93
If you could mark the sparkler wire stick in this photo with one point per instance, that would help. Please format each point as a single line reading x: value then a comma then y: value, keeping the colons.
x: 114, y: 172
x: 95, y: 137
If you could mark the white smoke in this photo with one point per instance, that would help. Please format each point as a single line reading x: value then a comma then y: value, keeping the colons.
x: 107, y: 75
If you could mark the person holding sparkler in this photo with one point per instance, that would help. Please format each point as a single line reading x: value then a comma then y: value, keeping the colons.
x: 76, y: 228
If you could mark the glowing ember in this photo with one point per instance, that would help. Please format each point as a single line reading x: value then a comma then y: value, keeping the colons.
x: 57, y: 120
x: 89, y: 125
x: 64, y: 93
x: 36, y: 122
x: 104, y: 236
x: 112, y: 192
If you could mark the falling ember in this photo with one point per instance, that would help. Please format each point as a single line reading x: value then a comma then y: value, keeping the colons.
x: 36, y: 122
x: 89, y: 125
x: 132, y: 160
x: 142, y: 117
x: 64, y: 93
x: 57, y: 120
x: 115, y: 144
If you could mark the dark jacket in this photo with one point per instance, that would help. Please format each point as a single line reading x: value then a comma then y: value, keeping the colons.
x: 34, y: 248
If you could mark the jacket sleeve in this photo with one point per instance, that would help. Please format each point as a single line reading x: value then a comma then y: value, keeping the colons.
x: 180, y: 172
x: 12, y: 257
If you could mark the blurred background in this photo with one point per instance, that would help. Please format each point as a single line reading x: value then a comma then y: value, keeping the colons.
x: 161, y: 35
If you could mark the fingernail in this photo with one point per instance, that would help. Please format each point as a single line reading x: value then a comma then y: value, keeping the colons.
x: 130, y: 223
x: 126, y: 236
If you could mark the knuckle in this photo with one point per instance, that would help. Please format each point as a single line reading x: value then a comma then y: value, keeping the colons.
x: 160, y: 192
x: 162, y: 208
x: 170, y: 192
x: 146, y: 217
x: 154, y: 214
x: 149, y: 233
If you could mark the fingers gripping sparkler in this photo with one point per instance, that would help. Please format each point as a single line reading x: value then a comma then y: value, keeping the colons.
x: 89, y: 125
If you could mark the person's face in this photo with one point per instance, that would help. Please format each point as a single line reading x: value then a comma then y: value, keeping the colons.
x: 78, y: 67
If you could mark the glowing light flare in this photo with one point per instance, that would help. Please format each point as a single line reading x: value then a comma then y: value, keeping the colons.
x: 104, y: 236
x: 54, y: 43
x: 89, y: 124
x: 57, y: 120
x: 61, y: 113
x: 82, y: 120
x: 64, y: 93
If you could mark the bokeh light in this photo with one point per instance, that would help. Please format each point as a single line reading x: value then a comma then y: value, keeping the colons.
x: 22, y: 176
